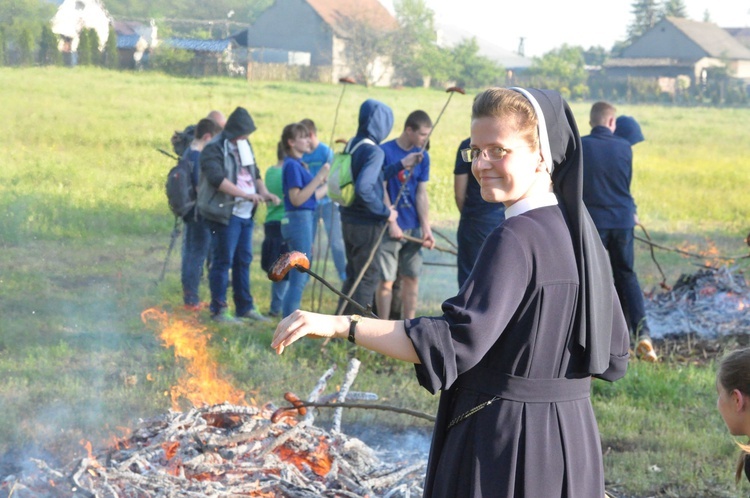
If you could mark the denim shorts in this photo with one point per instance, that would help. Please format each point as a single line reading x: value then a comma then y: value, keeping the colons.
x: 399, y: 257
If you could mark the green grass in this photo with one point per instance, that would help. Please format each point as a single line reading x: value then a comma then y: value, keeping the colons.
x: 85, y: 227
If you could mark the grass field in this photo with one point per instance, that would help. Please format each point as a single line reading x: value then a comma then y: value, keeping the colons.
x: 85, y: 227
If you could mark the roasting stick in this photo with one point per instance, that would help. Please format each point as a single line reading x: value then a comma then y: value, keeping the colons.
x: 445, y: 237
x: 437, y: 248
x: 300, y: 262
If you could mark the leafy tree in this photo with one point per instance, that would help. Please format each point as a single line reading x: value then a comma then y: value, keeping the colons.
x: 84, y: 48
x: 674, y: 8
x: 48, y: 51
x: 172, y: 60
x: 18, y: 15
x: 562, y: 69
x: 646, y: 14
x: 595, y: 56
x: 25, y: 47
x: 111, y: 57
x: 469, y: 69
x: 367, y: 43
x: 96, y: 54
x: 418, y: 58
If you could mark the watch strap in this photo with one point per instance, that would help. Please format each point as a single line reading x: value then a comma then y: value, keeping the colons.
x: 353, y: 320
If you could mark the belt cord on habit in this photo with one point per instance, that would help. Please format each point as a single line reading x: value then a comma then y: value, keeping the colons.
x: 471, y: 412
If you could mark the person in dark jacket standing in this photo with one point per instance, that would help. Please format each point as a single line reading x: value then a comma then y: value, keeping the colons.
x: 608, y: 171
x: 229, y: 189
x: 363, y: 220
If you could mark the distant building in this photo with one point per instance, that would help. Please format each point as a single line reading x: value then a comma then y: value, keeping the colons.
x: 679, y: 50
x: 322, y: 28
x: 72, y: 16
x: 742, y: 35
x: 135, y: 42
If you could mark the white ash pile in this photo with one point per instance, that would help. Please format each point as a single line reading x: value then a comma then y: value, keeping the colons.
x: 229, y: 450
x: 711, y: 303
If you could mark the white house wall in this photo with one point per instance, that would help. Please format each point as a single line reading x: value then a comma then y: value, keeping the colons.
x: 70, y: 19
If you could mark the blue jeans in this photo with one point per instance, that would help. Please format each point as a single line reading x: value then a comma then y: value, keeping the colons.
x: 232, y: 248
x: 470, y: 237
x: 297, y: 229
x: 329, y: 211
x: 195, y: 245
x: 273, y: 247
x: 619, y: 245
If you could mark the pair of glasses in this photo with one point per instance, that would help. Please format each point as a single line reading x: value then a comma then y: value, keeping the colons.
x: 491, y: 154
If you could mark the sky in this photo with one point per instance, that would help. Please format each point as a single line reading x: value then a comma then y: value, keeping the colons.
x: 547, y: 24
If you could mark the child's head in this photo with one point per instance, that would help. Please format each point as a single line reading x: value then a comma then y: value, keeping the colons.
x: 295, y: 138
x: 733, y: 403
x: 733, y: 386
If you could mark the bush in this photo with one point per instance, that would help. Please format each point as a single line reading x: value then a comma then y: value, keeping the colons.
x: 172, y: 61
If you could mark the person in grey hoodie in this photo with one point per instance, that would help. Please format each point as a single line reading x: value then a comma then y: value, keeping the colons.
x: 229, y: 190
x: 362, y: 222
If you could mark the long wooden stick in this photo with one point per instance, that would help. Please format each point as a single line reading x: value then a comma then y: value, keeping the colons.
x: 437, y: 248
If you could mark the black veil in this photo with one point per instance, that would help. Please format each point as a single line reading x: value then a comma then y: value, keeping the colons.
x: 596, y: 301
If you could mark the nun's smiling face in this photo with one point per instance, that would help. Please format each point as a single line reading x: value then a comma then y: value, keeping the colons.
x: 506, y: 167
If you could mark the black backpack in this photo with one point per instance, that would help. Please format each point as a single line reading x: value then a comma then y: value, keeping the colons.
x: 180, y: 190
x: 181, y: 140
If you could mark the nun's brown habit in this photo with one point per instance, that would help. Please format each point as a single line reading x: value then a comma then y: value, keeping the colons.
x: 537, y: 317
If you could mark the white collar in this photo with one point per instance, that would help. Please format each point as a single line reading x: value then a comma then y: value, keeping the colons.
x: 529, y: 203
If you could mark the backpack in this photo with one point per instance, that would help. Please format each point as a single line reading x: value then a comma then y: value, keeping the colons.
x: 181, y: 140
x: 340, y: 180
x: 180, y: 190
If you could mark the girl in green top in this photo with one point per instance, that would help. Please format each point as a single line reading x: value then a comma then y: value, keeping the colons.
x: 273, y: 243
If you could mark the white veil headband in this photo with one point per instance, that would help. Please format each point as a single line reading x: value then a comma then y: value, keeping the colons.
x: 542, y: 128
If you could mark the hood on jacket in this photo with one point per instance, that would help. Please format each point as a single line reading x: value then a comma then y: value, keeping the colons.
x: 628, y: 128
x: 239, y: 123
x: 375, y: 120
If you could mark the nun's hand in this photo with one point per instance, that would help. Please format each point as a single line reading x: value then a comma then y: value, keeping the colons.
x: 304, y: 323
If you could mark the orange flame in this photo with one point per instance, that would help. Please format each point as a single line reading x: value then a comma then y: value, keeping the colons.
x: 201, y: 384
x: 318, y: 460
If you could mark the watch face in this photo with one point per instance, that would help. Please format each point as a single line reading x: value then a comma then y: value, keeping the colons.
x: 356, y: 318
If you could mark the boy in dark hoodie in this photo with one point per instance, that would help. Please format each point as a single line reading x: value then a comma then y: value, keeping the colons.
x: 229, y: 190
x: 363, y: 221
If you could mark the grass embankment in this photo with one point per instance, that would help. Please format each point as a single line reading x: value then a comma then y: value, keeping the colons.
x: 85, y: 228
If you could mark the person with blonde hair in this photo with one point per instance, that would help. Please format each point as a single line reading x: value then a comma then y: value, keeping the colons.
x: 513, y: 353
x: 733, y: 403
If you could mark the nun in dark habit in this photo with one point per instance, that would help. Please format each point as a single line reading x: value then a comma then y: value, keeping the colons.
x: 513, y: 354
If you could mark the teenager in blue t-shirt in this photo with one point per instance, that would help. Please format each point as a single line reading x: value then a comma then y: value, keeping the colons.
x: 301, y: 191
x: 327, y: 210
x: 399, y: 258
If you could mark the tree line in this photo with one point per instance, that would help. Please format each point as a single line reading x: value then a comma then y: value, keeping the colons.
x: 26, y: 38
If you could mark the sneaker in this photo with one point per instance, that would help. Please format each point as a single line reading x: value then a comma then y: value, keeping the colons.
x: 254, y: 314
x: 224, y: 316
x: 194, y: 307
x: 645, y: 351
x: 274, y: 314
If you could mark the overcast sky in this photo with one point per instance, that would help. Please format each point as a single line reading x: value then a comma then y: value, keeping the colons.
x: 547, y: 24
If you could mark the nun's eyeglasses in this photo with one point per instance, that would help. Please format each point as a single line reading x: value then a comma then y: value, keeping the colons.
x: 490, y: 154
